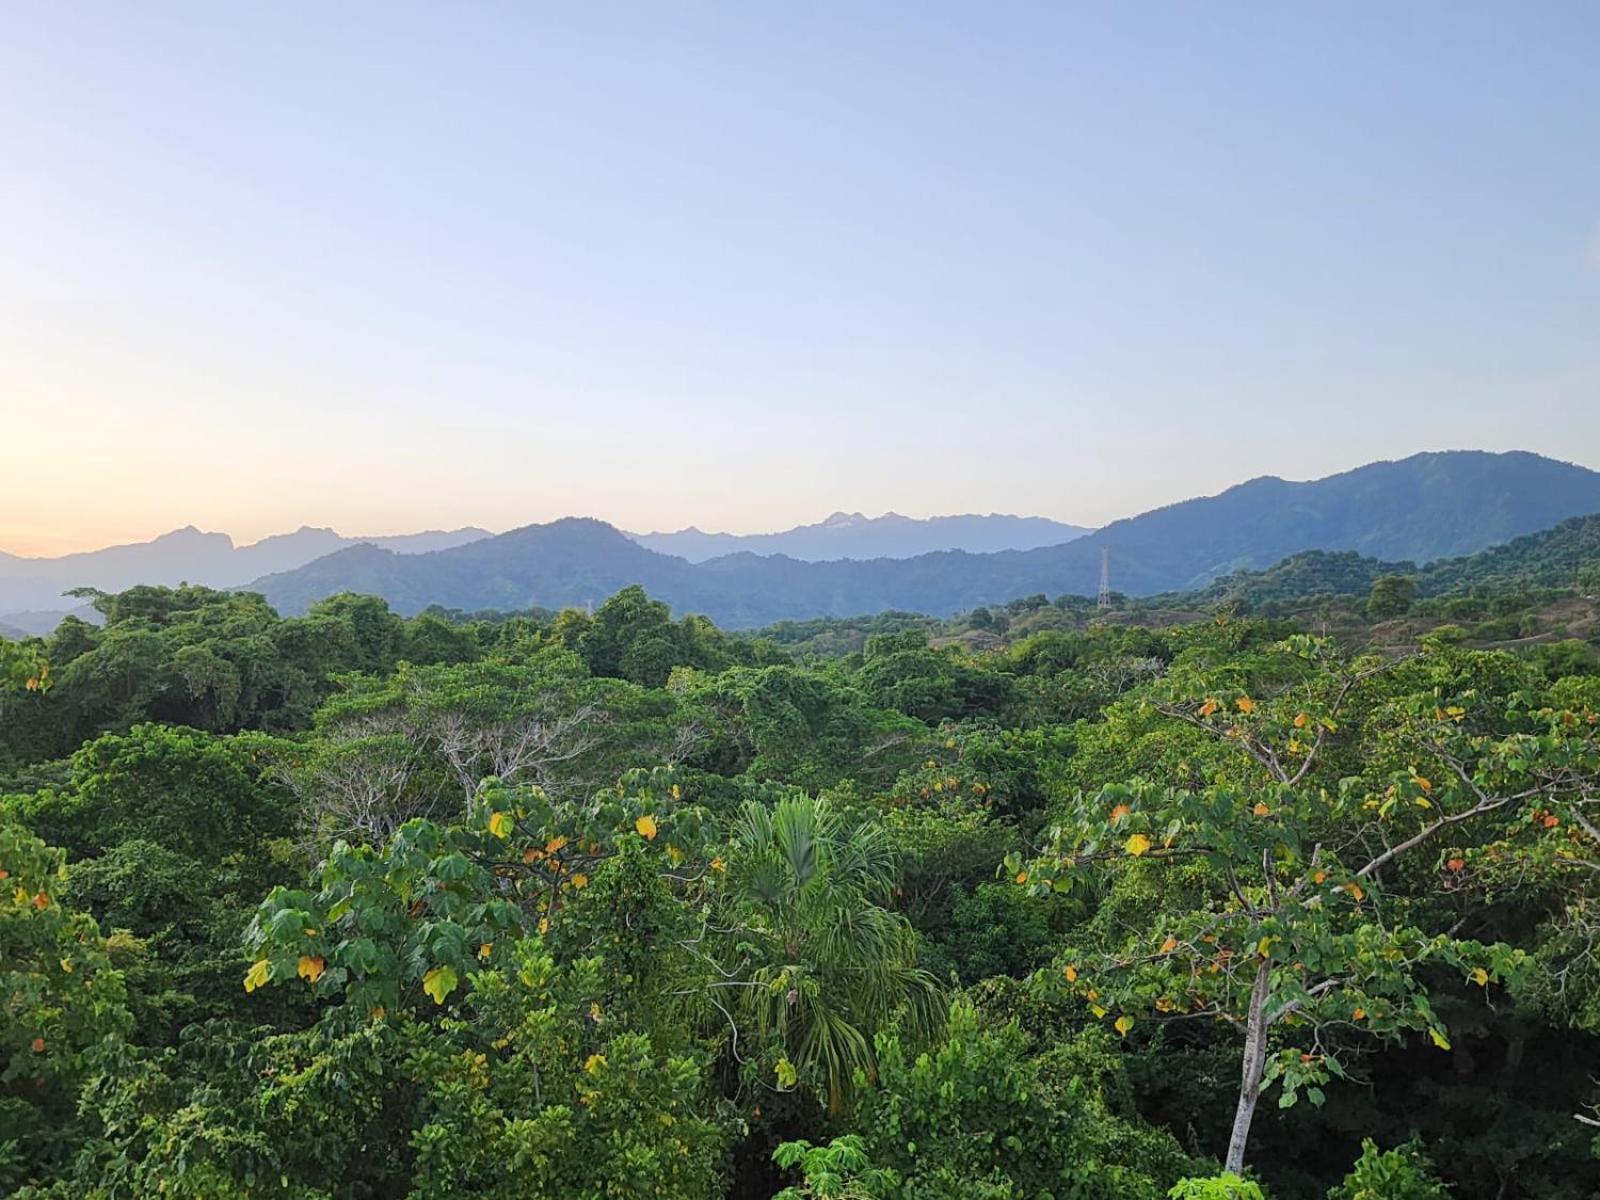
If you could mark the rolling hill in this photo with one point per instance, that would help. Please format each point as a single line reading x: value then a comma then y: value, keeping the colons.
x: 1427, y: 507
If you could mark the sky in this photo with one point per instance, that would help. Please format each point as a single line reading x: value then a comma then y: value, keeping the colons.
x: 398, y: 266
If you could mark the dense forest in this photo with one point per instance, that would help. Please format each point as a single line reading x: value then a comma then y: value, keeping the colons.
x: 1285, y: 890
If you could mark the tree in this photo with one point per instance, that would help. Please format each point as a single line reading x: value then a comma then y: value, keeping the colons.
x: 1268, y: 918
x: 1401, y: 1174
x: 63, y: 1002
x: 821, y: 963
x: 1391, y: 596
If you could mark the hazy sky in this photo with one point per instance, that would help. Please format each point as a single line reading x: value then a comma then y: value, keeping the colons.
x: 392, y: 266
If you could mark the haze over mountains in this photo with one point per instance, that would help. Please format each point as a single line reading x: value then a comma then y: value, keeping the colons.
x: 1423, y: 508
x: 185, y: 555
x: 855, y: 536
x: 31, y: 589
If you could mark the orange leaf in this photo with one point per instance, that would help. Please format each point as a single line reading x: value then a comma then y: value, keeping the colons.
x: 1245, y: 704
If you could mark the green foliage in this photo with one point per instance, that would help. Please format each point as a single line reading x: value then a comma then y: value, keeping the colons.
x: 1216, y: 1187
x: 619, y: 905
x: 827, y: 964
x: 1402, y: 1174
x: 63, y: 1002
x: 1391, y: 596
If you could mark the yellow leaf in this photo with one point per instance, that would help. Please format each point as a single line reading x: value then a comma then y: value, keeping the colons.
x: 1355, y: 890
x: 1097, y: 1011
x: 1123, y: 1024
x: 1422, y: 782
x: 1439, y: 1039
x: 485, y: 950
x: 1261, y: 810
x: 1022, y: 877
x: 311, y: 967
x: 1168, y: 946
x: 544, y: 925
x: 257, y: 976
x: 1246, y: 705
x: 1137, y: 844
x: 1300, y: 721
x: 439, y: 983
x: 500, y: 824
x: 1480, y: 977
x: 717, y: 864
x: 677, y: 792
x: 1072, y: 974
x: 593, y: 1063
x: 1264, y: 947
x: 646, y: 825
x: 580, y: 881
x: 786, y: 1073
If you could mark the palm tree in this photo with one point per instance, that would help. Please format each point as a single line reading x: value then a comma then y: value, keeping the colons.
x: 826, y: 964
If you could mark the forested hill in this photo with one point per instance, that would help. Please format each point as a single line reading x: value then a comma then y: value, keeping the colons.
x: 1427, y: 507
x: 1558, y: 557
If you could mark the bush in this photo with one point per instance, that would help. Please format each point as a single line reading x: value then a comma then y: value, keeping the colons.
x: 1400, y: 1174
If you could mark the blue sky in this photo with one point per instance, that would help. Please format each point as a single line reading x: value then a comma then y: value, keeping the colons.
x: 389, y: 266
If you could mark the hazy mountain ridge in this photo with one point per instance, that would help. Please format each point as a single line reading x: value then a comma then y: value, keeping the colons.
x: 1427, y: 507
x: 857, y: 536
x: 189, y: 555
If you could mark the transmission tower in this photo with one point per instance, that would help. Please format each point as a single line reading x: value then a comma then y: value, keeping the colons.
x: 1104, y: 600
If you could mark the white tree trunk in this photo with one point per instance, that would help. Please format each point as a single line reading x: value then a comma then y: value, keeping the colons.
x: 1255, y: 1062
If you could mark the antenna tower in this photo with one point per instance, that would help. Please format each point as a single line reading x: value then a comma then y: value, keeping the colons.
x: 1104, y: 600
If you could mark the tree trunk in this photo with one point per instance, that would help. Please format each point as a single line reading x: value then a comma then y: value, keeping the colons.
x: 1255, y: 1062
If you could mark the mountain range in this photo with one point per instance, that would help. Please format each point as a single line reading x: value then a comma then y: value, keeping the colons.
x: 31, y: 589
x: 185, y: 555
x: 856, y: 536
x: 1419, y: 509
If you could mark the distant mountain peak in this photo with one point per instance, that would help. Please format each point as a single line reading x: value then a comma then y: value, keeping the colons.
x: 1423, y: 510
x: 854, y: 535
